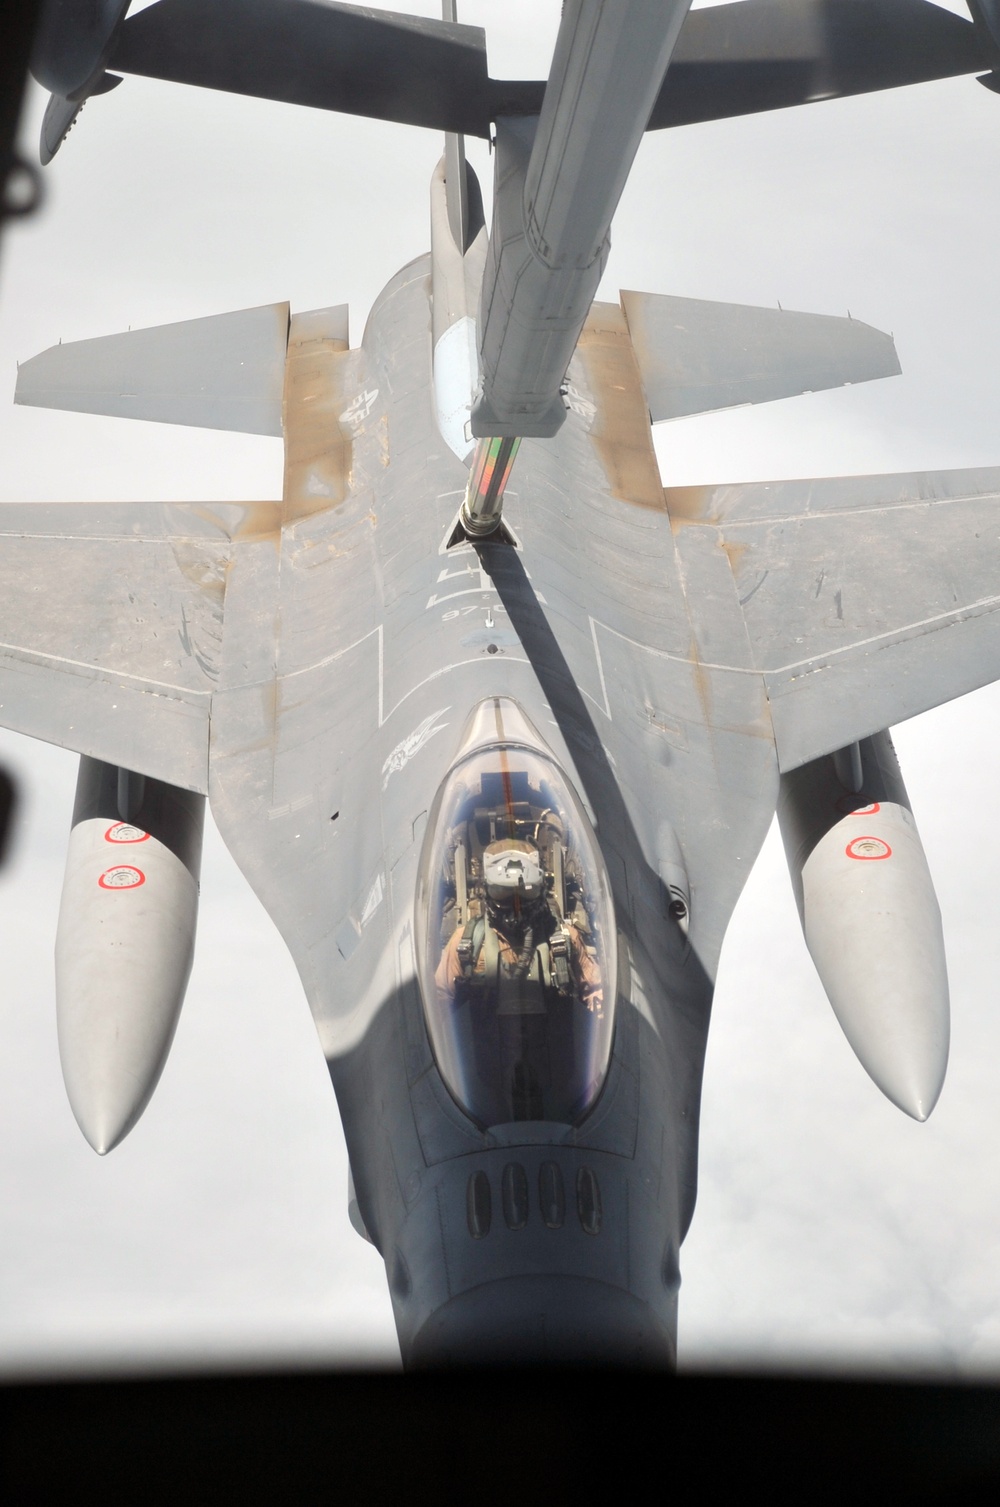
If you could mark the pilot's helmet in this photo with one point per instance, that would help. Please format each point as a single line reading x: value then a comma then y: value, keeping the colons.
x: 512, y: 869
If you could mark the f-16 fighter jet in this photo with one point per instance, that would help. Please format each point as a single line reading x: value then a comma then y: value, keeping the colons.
x: 494, y: 724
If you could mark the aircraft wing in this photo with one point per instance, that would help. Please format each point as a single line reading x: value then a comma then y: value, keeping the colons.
x: 111, y: 614
x: 866, y: 599
x: 769, y: 54
x: 730, y: 59
x: 111, y: 628
x: 412, y: 69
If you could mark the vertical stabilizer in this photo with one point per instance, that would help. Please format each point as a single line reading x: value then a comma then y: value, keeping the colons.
x: 458, y: 255
x: 456, y: 189
x: 464, y: 200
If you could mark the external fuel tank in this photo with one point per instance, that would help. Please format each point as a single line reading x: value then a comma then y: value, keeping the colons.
x: 125, y: 941
x: 870, y: 915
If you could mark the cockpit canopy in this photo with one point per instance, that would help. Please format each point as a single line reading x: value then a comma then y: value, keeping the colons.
x: 516, y: 936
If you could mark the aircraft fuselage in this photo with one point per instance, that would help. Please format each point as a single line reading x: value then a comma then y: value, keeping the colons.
x: 531, y: 1237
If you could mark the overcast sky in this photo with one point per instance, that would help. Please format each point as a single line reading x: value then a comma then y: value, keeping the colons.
x: 831, y: 1230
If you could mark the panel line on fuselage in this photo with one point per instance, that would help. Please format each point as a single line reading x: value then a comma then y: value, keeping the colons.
x: 444, y: 670
x: 677, y: 659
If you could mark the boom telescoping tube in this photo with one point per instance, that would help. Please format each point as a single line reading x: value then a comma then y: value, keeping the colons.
x: 557, y: 188
x: 491, y: 468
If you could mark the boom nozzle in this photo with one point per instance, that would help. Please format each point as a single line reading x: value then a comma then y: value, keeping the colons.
x: 491, y: 468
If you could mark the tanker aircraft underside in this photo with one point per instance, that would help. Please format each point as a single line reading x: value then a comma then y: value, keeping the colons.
x: 495, y: 724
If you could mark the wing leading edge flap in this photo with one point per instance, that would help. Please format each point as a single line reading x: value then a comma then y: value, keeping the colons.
x: 696, y: 356
x: 223, y: 372
x: 866, y: 599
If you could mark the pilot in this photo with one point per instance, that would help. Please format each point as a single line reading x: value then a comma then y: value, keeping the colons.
x: 520, y: 949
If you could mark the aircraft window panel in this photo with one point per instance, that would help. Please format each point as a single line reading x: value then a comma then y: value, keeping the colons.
x: 516, y: 934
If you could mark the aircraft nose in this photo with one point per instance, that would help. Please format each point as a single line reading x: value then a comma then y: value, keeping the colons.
x: 543, y: 1321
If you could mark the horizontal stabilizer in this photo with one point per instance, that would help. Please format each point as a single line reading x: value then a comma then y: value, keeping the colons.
x: 696, y: 356
x: 223, y: 372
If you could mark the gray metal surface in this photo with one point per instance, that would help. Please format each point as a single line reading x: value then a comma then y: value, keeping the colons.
x: 866, y: 599
x: 986, y: 15
x: 223, y: 372
x: 72, y: 43
x: 384, y: 647
x: 730, y: 59
x: 557, y: 188
x: 456, y: 282
x: 321, y: 657
x: 125, y: 942
x: 696, y: 356
x: 771, y: 54
x: 393, y: 66
x: 870, y: 916
x: 110, y: 628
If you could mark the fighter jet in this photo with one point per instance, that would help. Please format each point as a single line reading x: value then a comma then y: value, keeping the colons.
x: 495, y: 725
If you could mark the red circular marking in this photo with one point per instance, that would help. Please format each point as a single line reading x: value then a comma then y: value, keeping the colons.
x: 846, y: 804
x: 125, y: 832
x: 868, y: 848
x: 122, y: 877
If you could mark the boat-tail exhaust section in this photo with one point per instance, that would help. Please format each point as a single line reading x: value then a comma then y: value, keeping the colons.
x: 870, y: 915
x: 125, y: 942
